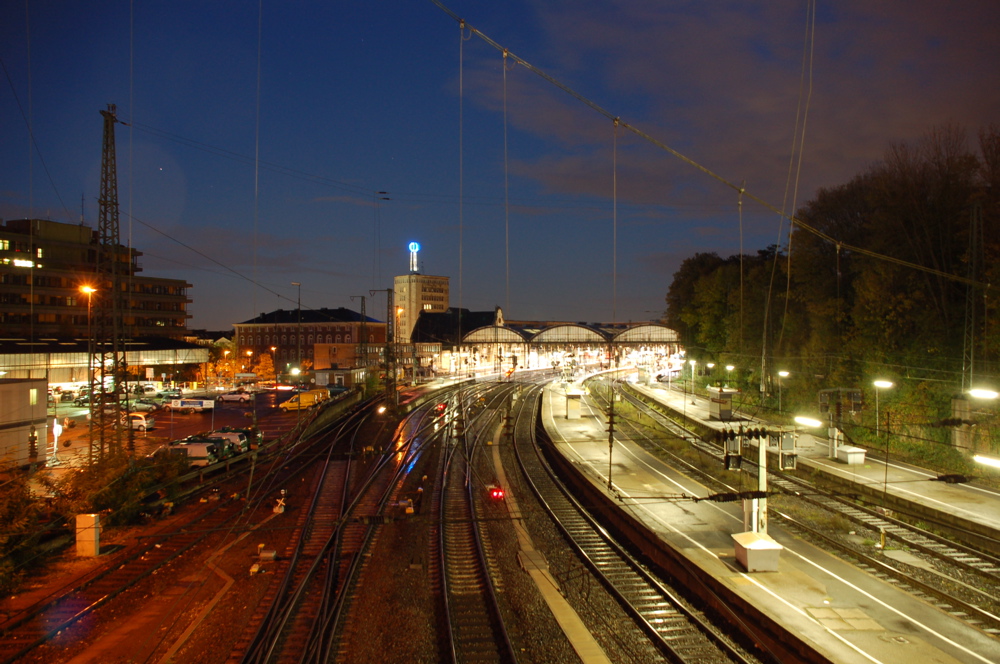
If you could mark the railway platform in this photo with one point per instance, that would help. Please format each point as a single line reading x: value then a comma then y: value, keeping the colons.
x: 843, y: 613
x: 898, y: 482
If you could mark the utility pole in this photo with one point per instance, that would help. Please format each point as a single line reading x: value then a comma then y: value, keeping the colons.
x: 391, y: 395
x: 363, y: 334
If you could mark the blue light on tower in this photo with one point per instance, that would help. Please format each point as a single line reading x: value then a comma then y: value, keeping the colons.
x: 414, y: 248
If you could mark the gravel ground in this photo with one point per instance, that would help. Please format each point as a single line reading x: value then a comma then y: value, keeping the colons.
x: 152, y: 618
x: 395, y: 616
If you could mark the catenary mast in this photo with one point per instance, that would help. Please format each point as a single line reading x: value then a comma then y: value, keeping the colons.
x: 109, y: 349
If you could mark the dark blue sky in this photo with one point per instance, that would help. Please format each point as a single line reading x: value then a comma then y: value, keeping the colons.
x: 361, y: 97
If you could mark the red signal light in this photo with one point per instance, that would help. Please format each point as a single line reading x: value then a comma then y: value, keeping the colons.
x: 496, y: 493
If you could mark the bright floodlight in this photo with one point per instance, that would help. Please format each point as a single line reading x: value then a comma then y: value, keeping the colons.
x: 692, y: 362
x: 296, y: 371
x: 884, y: 384
x: 729, y: 367
x: 808, y: 422
x: 980, y: 393
x: 783, y: 374
x: 987, y: 461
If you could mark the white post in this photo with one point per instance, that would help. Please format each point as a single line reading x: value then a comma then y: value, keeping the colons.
x: 760, y: 504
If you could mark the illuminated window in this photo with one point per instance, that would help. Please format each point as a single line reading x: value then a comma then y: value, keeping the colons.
x: 38, y: 252
x: 33, y: 396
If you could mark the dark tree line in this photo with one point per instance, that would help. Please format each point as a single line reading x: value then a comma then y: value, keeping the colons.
x: 885, y: 292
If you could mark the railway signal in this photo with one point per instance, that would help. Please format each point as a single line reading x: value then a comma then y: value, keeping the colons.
x: 496, y: 493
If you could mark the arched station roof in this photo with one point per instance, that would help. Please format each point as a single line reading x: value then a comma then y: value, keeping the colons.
x: 649, y: 333
x: 495, y: 334
x: 569, y: 333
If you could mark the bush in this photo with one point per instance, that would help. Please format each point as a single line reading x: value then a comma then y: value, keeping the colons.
x: 20, y: 526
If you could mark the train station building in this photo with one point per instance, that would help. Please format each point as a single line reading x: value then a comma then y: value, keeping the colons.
x: 482, y: 343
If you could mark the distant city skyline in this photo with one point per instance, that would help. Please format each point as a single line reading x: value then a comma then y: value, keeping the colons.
x: 368, y: 127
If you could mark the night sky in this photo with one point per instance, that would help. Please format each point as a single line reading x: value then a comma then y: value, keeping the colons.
x: 357, y: 98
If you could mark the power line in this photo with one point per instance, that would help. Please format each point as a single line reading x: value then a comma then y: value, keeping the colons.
x: 792, y: 219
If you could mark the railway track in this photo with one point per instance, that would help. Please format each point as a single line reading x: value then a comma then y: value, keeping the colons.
x: 476, y: 630
x: 676, y: 630
x: 977, y: 574
x: 75, y: 606
x: 351, y: 499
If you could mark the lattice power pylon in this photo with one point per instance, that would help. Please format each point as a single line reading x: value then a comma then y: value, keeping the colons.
x: 108, y: 362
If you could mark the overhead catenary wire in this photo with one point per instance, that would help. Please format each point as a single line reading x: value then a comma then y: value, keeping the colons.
x: 790, y: 217
x: 803, y: 112
x: 506, y: 188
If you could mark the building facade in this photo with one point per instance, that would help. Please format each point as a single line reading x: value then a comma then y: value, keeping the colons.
x: 43, y: 266
x: 414, y: 293
x: 314, y: 338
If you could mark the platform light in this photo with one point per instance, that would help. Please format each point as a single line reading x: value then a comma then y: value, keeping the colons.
x: 987, y: 461
x: 981, y: 393
x: 808, y: 422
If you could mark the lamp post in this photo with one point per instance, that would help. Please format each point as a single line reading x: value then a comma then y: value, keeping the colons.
x: 882, y: 385
x: 781, y: 374
x: 298, y: 331
x: 729, y: 369
x: 225, y: 356
x: 249, y: 363
x: 879, y: 385
x: 692, y: 363
x: 89, y: 292
x: 396, y: 337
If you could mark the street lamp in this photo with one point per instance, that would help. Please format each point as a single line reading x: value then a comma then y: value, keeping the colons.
x: 781, y: 374
x: 879, y: 385
x: 89, y: 292
x: 729, y: 368
x: 225, y: 356
x: 298, y: 332
x: 980, y: 393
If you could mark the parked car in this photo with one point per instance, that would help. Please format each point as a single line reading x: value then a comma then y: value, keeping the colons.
x: 141, y: 421
x: 239, y: 441
x: 143, y: 405
x: 172, y: 393
x: 224, y: 448
x: 82, y: 400
x: 304, y: 400
x: 253, y: 434
x: 199, y: 454
x: 239, y: 396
